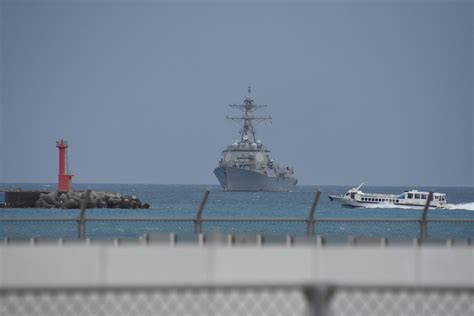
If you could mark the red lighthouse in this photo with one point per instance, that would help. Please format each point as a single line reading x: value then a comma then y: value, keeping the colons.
x: 64, y: 178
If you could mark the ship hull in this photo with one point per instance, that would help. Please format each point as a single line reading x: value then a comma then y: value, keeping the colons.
x: 348, y: 202
x: 238, y: 179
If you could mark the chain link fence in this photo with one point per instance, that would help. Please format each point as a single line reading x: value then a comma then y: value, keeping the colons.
x: 133, y: 227
x: 369, y: 301
x: 120, y: 227
x: 240, y: 300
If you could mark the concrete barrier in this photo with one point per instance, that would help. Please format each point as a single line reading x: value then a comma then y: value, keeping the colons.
x: 112, y: 264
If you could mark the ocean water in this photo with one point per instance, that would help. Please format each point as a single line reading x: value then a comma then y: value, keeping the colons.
x: 178, y: 201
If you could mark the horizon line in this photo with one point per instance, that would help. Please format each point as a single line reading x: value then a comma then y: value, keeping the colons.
x: 207, y: 184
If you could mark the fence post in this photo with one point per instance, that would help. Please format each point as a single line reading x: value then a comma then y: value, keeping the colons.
x: 198, y: 219
x: 318, y: 298
x: 423, y: 221
x: 81, y: 230
x: 310, y: 221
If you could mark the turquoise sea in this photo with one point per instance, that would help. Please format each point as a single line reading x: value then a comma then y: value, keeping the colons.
x: 183, y: 201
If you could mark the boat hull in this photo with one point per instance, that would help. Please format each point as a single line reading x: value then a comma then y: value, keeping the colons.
x: 348, y: 202
x: 345, y: 201
x: 238, y: 179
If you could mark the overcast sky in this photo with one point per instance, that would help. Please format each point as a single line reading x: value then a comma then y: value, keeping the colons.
x: 357, y: 90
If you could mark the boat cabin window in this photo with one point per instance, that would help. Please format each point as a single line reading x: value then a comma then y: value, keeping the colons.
x: 417, y: 196
x: 410, y: 195
x: 436, y: 197
x: 424, y: 197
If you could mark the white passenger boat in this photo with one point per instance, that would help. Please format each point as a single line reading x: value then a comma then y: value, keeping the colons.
x: 356, y: 198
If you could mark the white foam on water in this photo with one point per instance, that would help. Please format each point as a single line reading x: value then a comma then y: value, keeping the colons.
x: 461, y: 206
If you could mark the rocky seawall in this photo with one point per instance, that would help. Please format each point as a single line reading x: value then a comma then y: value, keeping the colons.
x: 72, y: 200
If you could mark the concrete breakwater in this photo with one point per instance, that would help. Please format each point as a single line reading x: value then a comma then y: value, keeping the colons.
x: 72, y: 200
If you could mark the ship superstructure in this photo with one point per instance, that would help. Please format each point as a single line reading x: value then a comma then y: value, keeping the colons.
x: 247, y: 165
x: 356, y: 198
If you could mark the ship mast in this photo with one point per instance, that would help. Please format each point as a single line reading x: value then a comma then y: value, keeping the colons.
x: 247, y: 133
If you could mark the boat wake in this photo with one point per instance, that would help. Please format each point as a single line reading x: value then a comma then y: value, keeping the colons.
x: 460, y: 206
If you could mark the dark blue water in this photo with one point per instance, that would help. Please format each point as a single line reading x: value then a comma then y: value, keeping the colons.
x: 183, y: 201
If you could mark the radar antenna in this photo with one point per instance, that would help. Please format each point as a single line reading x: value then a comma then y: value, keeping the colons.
x: 247, y: 133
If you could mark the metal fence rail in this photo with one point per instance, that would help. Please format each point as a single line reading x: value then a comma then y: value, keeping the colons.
x: 299, y: 299
x: 132, y: 227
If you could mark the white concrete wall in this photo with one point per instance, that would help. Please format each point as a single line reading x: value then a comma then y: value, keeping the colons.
x: 93, y: 265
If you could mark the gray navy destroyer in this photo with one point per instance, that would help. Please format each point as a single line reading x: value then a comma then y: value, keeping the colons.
x: 246, y: 165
